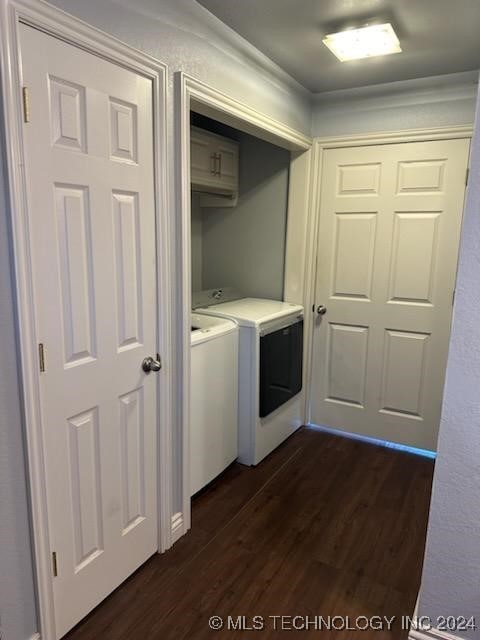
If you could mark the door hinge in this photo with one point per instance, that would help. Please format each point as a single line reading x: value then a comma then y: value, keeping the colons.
x: 26, y: 104
x: 467, y: 175
x: 453, y: 297
x: 41, y: 357
x: 54, y: 564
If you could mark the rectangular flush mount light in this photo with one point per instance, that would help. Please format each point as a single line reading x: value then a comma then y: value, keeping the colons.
x: 366, y: 42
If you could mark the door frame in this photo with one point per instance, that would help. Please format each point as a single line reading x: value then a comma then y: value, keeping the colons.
x: 192, y: 94
x: 320, y: 145
x: 57, y: 23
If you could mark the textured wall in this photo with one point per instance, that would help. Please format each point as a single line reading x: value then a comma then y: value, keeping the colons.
x: 244, y: 247
x: 17, y: 600
x: 451, y: 573
x: 441, y: 101
x: 186, y: 37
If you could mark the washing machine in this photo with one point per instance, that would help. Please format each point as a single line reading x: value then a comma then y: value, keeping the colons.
x: 213, y: 398
x: 270, y: 404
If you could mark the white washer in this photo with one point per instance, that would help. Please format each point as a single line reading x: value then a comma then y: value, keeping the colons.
x: 213, y: 398
x: 259, y: 318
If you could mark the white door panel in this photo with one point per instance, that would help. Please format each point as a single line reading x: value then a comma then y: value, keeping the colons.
x: 89, y: 150
x: 387, y: 253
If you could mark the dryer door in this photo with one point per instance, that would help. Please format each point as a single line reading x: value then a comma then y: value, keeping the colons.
x: 281, y: 361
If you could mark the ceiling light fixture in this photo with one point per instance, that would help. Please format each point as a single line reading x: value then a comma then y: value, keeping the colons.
x: 366, y: 42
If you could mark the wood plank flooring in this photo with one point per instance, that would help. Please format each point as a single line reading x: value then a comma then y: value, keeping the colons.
x: 325, y: 526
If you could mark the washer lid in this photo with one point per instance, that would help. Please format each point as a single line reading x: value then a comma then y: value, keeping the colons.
x: 207, y: 328
x: 252, y: 312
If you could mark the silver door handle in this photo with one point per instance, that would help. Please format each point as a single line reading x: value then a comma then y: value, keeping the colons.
x: 321, y: 310
x: 150, y: 364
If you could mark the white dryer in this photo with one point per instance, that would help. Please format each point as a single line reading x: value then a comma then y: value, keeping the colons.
x: 270, y: 368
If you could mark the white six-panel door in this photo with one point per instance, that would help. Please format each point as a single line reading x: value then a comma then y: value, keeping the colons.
x: 90, y: 172
x: 390, y: 218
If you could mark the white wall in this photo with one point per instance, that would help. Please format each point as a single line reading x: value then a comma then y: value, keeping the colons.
x: 244, y: 246
x: 17, y: 598
x: 197, y: 243
x: 451, y: 572
x: 188, y: 38
x: 439, y: 101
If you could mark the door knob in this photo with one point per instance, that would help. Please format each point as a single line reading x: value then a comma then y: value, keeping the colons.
x: 321, y: 310
x: 150, y: 364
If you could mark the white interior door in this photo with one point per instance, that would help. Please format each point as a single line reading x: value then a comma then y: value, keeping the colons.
x: 90, y: 172
x: 390, y: 218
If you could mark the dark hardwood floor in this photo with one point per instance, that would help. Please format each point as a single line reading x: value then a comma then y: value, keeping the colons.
x: 325, y: 526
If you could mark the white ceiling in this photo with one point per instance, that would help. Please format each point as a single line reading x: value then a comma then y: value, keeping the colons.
x: 437, y: 37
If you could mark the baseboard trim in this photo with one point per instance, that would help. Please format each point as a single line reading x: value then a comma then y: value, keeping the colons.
x: 417, y: 633
x: 431, y: 634
x: 177, y: 526
x: 377, y: 441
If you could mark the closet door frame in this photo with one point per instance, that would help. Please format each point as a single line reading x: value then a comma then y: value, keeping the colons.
x: 194, y: 95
